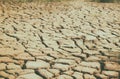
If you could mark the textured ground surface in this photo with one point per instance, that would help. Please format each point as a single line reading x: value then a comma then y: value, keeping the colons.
x: 73, y: 40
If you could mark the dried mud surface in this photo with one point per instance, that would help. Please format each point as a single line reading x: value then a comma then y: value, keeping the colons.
x: 67, y: 40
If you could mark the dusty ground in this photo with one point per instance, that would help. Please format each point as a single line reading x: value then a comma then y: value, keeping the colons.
x: 73, y: 40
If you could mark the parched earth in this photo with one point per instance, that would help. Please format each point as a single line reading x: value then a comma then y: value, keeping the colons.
x: 61, y: 40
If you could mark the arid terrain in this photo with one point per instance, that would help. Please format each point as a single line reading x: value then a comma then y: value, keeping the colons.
x: 60, y: 40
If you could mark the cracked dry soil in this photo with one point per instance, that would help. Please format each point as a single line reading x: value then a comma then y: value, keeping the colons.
x: 62, y: 40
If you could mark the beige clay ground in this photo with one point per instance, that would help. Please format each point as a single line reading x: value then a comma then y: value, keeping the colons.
x: 69, y: 40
